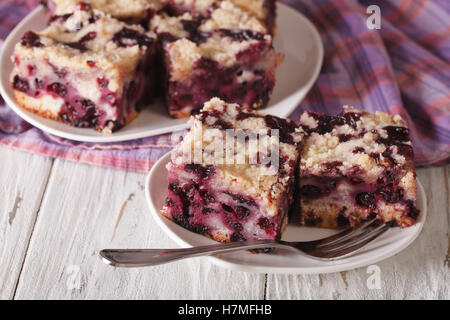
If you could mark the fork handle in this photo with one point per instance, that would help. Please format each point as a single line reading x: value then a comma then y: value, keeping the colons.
x: 131, y: 258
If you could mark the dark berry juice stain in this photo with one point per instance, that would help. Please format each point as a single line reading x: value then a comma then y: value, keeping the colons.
x: 21, y: 84
x: 326, y: 123
x: 61, y: 18
x: 331, y: 167
x: 310, y: 191
x: 242, y: 212
x: 241, y: 35
x: 227, y: 208
x: 81, y: 44
x: 102, y: 82
x: 57, y: 88
x: 206, y: 196
x: 38, y: 83
x: 241, y: 199
x: 311, y: 219
x: 342, y: 220
x: 181, y: 195
x: 203, y: 172
x: 351, y: 118
x: 31, y: 40
x: 266, y: 224
x: 391, y: 193
x: 365, y: 199
x: 80, y: 113
x: 358, y: 150
x: 413, y: 212
x: 387, y: 154
x: 405, y: 150
x: 237, y: 236
x: 344, y: 137
x: 400, y: 134
x: 285, y: 127
x: 129, y: 37
x: 191, y: 27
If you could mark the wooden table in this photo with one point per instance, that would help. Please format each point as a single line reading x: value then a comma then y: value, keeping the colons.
x: 56, y: 215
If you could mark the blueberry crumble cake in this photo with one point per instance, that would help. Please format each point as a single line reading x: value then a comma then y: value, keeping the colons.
x: 355, y: 166
x: 187, y: 51
x: 228, y: 55
x: 232, y: 200
x: 238, y: 67
x: 86, y: 69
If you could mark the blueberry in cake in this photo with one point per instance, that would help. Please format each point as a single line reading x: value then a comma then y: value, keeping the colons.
x: 355, y: 166
x: 85, y: 69
x: 238, y: 192
x: 228, y: 55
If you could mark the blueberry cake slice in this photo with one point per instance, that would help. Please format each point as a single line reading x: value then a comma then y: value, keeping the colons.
x: 355, y: 166
x: 228, y: 54
x: 132, y: 11
x: 86, y: 69
x: 221, y: 186
x: 237, y: 66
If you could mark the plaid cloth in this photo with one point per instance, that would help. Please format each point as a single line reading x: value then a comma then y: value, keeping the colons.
x: 401, y: 68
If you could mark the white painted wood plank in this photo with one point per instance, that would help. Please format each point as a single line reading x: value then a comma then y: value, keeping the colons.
x: 23, y: 179
x: 86, y: 209
x: 447, y: 178
x: 418, y: 272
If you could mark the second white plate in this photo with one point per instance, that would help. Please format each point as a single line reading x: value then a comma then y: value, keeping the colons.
x: 296, y: 37
x: 282, y: 261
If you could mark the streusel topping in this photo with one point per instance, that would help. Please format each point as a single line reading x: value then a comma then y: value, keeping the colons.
x: 228, y: 16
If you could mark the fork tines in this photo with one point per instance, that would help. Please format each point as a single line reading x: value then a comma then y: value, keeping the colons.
x: 348, y: 241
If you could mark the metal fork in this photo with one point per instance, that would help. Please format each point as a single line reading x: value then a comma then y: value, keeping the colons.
x: 331, y: 248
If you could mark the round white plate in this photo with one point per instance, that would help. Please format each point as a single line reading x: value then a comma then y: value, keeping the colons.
x: 282, y: 261
x: 296, y: 37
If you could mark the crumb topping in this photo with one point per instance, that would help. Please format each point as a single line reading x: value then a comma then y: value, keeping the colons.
x: 228, y: 16
x: 183, y: 53
x: 255, y: 7
x: 196, y: 6
x: 121, y: 9
x: 163, y: 23
x: 354, y: 138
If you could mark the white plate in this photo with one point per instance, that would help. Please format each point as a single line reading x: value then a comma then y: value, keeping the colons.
x: 296, y: 37
x: 282, y: 261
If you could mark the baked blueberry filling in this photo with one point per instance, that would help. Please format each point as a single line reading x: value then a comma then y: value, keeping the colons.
x: 31, y: 39
x: 21, y: 84
x: 130, y: 37
x: 81, y: 44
